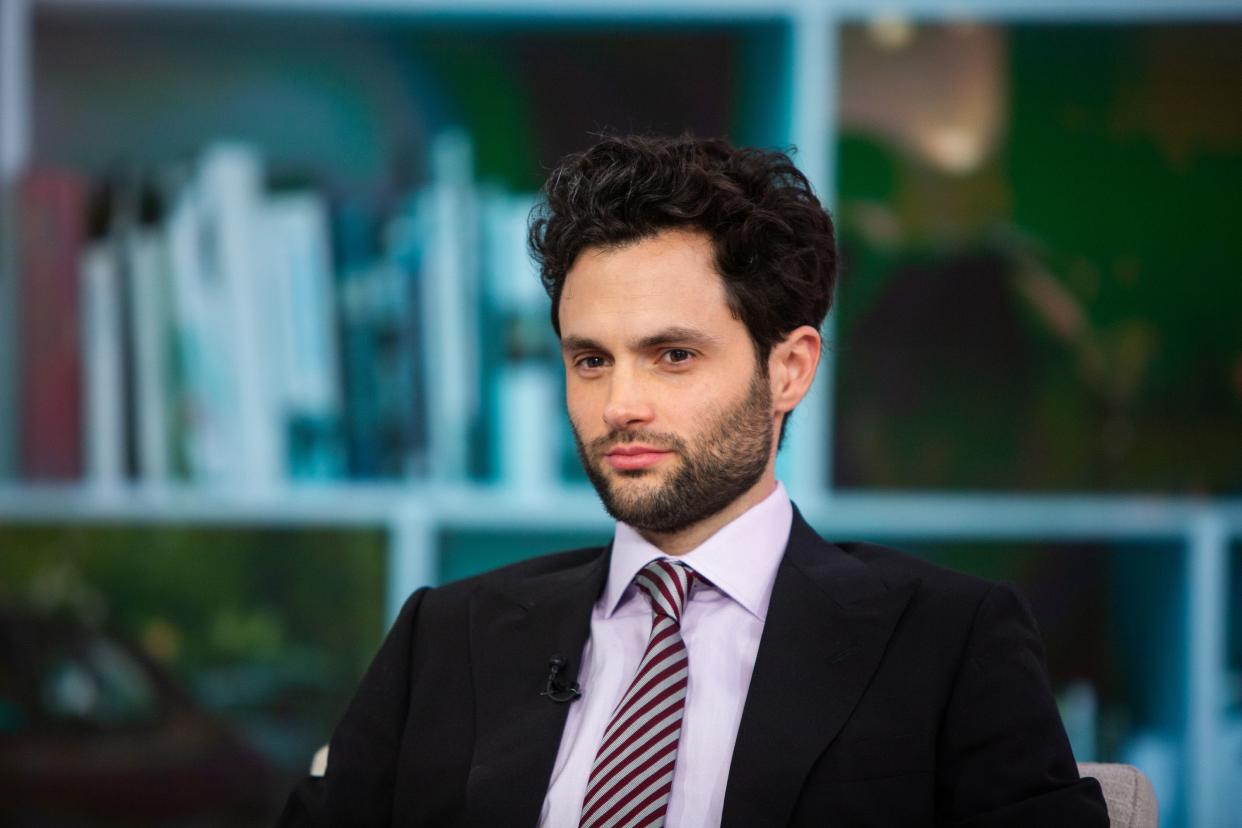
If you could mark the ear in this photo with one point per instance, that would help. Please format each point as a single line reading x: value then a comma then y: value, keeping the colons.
x: 791, y: 367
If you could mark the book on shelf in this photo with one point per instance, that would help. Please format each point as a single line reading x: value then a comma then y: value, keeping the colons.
x: 258, y: 399
x: 528, y: 416
x: 306, y: 358
x: 147, y: 271
x: 377, y: 321
x: 449, y: 300
x: 206, y: 401
x: 9, y: 334
x: 216, y: 331
x: 128, y: 335
x: 52, y: 206
x: 103, y: 360
x: 230, y: 194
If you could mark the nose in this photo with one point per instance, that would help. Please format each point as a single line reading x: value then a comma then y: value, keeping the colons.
x: 627, y: 406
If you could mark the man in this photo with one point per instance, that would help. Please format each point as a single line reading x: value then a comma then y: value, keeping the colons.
x: 718, y: 662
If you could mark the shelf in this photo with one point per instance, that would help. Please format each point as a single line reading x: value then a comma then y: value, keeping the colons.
x: 311, y: 505
x: 585, y: 9
x: 977, y: 515
x: 694, y: 9
x: 361, y: 504
x: 491, y: 508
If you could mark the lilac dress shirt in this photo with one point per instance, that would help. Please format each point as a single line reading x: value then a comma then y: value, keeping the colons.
x: 721, y: 625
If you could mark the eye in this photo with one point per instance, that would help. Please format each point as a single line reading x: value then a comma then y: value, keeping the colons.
x: 590, y: 363
x: 678, y: 355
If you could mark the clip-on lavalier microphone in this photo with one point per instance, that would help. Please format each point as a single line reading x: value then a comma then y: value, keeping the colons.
x: 556, y: 689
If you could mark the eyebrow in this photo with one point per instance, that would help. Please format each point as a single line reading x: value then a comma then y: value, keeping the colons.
x: 676, y: 335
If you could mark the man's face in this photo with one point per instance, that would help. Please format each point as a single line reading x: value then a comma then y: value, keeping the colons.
x: 671, y: 412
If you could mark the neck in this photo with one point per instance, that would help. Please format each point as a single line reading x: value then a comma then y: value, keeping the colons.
x: 680, y: 542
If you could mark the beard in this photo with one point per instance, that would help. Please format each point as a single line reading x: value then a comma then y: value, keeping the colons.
x: 724, y: 462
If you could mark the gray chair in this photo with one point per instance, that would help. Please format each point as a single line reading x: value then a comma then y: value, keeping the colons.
x: 1130, y: 796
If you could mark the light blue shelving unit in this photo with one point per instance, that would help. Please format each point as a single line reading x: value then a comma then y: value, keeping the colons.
x: 416, y: 515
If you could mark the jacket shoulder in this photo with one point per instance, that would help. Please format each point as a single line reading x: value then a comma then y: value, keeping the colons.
x: 521, y: 571
x: 943, y: 597
x: 894, y: 566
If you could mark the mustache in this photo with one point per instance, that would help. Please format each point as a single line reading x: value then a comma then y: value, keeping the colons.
x: 663, y: 442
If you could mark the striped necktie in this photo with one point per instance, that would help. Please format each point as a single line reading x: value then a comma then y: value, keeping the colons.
x: 632, y: 776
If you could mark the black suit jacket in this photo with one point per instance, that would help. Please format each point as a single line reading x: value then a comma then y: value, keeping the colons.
x: 886, y: 692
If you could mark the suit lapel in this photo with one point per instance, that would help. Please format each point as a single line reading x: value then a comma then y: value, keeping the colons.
x: 828, y: 623
x: 513, y: 633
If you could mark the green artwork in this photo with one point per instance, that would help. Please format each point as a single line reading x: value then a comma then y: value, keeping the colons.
x: 269, y: 630
x: 1040, y: 285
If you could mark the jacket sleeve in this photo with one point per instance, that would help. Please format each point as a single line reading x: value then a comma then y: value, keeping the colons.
x: 1004, y: 758
x: 358, y: 785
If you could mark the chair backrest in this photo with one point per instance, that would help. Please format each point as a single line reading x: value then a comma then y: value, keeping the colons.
x: 1127, y: 791
x: 319, y: 762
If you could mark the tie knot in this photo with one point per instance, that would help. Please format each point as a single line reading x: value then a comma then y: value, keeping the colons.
x: 667, y: 585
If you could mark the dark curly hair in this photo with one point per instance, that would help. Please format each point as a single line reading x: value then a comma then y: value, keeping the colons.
x: 773, y: 241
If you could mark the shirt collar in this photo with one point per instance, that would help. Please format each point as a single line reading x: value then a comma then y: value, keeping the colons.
x: 740, y: 559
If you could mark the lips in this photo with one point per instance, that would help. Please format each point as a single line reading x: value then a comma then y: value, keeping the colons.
x: 634, y: 457
x: 635, y: 449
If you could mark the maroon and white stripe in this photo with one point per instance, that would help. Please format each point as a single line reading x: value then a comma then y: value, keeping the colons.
x: 633, y: 772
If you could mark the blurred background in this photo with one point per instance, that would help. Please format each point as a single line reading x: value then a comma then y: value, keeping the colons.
x: 272, y: 353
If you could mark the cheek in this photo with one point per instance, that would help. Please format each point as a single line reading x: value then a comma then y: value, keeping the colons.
x: 585, y: 410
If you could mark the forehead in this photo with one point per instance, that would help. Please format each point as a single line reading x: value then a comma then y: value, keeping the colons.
x: 662, y: 281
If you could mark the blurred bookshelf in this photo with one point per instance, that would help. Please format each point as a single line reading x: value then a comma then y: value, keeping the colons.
x: 394, y: 380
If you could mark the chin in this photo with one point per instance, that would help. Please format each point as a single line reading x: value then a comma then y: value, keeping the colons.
x: 649, y: 473
x: 634, y: 474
